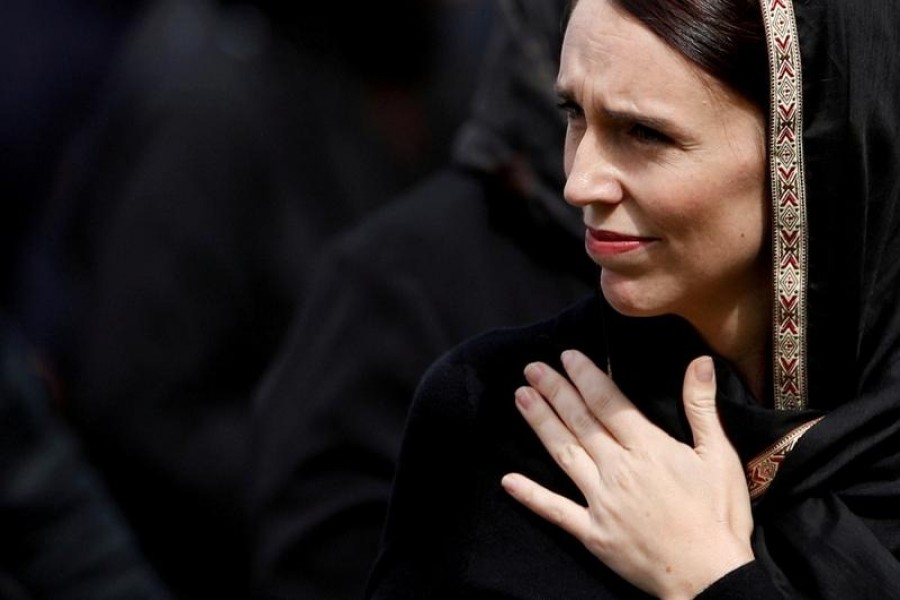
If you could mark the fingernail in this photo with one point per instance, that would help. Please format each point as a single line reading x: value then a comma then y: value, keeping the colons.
x: 523, y: 398
x: 566, y: 357
x: 704, y: 369
x: 533, y: 372
x: 510, y: 483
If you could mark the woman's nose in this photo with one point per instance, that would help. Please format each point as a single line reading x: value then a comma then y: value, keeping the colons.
x: 591, y: 176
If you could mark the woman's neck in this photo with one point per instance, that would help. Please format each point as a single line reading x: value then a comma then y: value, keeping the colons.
x: 742, y: 336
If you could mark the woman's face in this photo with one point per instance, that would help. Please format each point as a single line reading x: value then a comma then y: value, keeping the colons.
x: 669, y: 169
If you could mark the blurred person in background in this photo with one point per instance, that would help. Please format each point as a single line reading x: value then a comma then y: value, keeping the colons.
x: 487, y: 241
x: 54, y: 55
x: 63, y: 536
x: 232, y: 142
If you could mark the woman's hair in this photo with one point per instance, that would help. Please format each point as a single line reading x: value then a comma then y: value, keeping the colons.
x: 725, y: 38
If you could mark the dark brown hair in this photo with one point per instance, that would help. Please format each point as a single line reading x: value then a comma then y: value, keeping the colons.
x: 725, y: 38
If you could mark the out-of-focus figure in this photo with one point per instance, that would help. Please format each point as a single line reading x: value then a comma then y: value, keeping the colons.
x: 54, y: 55
x: 232, y: 142
x: 63, y: 536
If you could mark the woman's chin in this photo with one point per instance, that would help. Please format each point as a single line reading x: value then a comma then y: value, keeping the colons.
x: 631, y: 310
x: 628, y: 298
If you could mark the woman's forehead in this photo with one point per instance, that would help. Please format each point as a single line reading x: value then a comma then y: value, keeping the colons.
x: 610, y: 59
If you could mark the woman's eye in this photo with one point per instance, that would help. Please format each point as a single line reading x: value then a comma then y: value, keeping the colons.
x: 648, y: 135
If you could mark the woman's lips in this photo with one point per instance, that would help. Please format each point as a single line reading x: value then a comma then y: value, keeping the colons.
x: 600, y: 242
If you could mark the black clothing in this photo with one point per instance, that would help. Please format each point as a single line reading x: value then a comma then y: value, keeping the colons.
x: 63, y: 536
x: 486, y: 242
x: 53, y: 58
x: 829, y: 524
x: 453, y: 532
x: 182, y: 237
x: 454, y: 258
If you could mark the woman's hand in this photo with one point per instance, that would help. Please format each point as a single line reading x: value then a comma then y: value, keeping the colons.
x: 668, y: 517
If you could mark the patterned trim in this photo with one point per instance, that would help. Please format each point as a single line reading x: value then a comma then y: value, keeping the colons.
x: 762, y: 469
x: 789, y: 253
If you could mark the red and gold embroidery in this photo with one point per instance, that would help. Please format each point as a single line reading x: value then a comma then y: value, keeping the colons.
x: 789, y: 251
x: 762, y: 469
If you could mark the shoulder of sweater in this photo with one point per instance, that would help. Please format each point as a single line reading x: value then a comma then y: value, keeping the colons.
x: 577, y: 325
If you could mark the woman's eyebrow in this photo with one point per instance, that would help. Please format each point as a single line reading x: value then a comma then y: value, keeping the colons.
x: 661, y: 124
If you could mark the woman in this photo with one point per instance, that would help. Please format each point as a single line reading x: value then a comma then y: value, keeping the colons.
x: 737, y: 166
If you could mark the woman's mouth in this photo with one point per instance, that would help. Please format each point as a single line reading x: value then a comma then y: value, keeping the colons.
x: 601, y: 242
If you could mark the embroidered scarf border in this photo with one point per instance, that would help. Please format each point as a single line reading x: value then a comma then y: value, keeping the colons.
x: 787, y: 178
x: 761, y: 470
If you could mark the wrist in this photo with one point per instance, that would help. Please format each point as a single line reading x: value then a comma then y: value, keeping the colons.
x: 688, y: 585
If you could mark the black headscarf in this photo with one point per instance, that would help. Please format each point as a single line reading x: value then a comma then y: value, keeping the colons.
x: 828, y: 526
x: 851, y: 126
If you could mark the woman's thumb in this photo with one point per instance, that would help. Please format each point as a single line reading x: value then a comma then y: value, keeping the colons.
x: 700, y: 402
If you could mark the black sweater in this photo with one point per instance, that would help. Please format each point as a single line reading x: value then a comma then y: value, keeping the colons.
x: 452, y: 531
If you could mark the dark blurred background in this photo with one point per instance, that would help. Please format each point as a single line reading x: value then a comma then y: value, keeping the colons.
x: 170, y: 170
x: 54, y: 57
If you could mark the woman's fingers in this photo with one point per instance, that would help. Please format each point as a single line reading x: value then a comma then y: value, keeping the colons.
x: 699, y: 392
x: 557, y: 509
x: 568, y: 404
x: 567, y: 451
x: 712, y: 444
x: 607, y: 404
